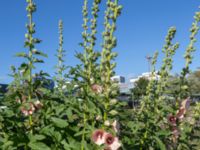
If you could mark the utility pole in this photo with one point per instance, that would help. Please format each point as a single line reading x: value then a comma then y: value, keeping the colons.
x: 149, y: 62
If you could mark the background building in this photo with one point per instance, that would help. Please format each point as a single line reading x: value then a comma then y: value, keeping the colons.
x: 147, y: 75
x: 119, y: 79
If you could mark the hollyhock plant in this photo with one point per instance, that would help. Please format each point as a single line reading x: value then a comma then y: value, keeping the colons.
x: 90, y: 99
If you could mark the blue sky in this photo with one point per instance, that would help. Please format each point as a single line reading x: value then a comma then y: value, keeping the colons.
x: 141, y: 30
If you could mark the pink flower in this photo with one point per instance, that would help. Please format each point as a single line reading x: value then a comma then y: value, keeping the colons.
x: 98, y: 137
x: 109, y: 139
x: 112, y: 142
x: 97, y: 88
x: 180, y: 113
x: 28, y: 111
x: 172, y: 120
x: 183, y: 108
x: 185, y: 104
x: 24, y: 112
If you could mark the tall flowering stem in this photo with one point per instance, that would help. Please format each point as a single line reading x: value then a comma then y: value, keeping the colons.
x: 169, y: 50
x: 30, y: 42
x: 109, y: 42
x: 89, y: 41
x: 89, y: 57
x: 151, y: 92
x: 155, y: 90
x: 148, y: 104
x: 60, y: 55
x: 188, y: 57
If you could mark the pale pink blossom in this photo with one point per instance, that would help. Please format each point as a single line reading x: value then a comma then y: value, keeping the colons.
x: 97, y: 88
x: 185, y: 104
x: 29, y: 111
x: 180, y: 113
x: 98, y: 137
x: 24, y: 112
x: 112, y: 142
x: 38, y: 104
x: 116, y: 126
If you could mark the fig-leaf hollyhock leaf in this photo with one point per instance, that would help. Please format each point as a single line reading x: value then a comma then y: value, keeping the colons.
x: 47, y: 130
x: 160, y: 143
x: 59, y: 122
x: 38, y: 146
x: 7, y: 145
x: 37, y: 137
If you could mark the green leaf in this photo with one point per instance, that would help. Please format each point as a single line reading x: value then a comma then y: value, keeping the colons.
x: 113, y: 112
x: 37, y: 137
x: 59, y: 122
x: 21, y: 54
x: 81, y: 132
x: 35, y: 60
x: 7, y: 145
x: 47, y: 130
x: 57, y: 136
x: 160, y: 143
x: 36, y: 52
x: 38, y: 146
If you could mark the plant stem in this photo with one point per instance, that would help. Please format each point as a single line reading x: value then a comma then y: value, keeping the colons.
x: 30, y: 123
x: 83, y: 135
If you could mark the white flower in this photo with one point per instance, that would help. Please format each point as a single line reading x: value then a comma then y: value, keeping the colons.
x: 107, y: 123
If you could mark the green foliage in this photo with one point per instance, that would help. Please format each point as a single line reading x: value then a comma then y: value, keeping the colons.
x: 38, y: 118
